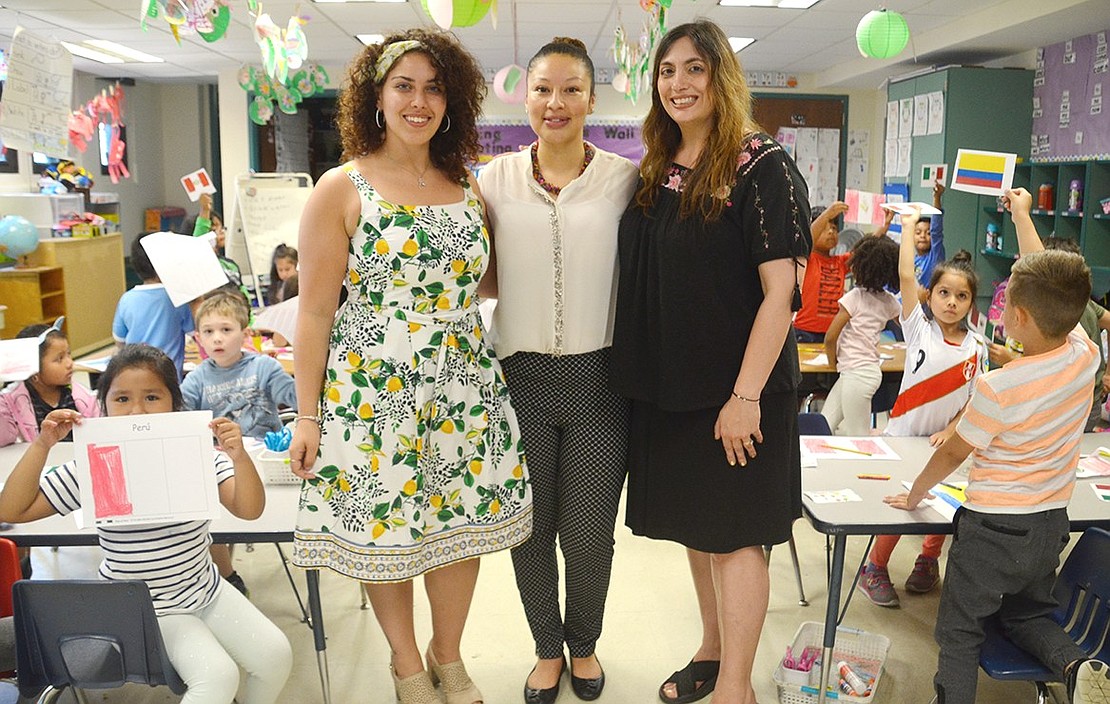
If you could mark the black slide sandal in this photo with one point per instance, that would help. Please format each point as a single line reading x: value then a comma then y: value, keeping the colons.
x: 686, y: 682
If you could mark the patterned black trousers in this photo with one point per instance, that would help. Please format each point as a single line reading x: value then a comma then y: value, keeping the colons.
x: 575, y: 434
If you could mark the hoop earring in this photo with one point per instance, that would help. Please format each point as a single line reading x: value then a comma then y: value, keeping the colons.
x: 448, y: 127
x: 378, y: 119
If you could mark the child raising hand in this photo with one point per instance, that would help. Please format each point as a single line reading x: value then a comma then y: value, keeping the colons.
x: 209, y: 628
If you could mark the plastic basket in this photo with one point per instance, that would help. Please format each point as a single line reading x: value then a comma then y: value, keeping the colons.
x: 275, y: 467
x: 863, y: 651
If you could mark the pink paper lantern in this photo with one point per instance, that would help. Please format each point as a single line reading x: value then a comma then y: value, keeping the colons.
x: 510, y: 84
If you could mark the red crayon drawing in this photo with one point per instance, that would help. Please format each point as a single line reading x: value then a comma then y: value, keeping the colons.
x: 109, y: 485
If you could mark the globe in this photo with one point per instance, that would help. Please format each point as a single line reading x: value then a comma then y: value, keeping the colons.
x: 18, y: 236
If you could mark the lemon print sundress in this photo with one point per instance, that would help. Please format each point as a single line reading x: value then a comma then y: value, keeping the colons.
x: 421, y: 463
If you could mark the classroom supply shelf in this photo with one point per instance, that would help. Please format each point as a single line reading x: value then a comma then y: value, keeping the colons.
x: 1087, y: 225
x: 92, y: 273
x: 33, y: 295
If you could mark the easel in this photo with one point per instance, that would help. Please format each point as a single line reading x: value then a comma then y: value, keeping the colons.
x: 265, y: 212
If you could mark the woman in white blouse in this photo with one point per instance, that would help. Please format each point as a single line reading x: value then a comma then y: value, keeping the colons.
x: 554, y: 211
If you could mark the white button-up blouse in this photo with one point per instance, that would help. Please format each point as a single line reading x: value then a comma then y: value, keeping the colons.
x: 556, y: 257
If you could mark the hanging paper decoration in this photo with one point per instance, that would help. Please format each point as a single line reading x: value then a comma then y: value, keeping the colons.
x: 106, y: 109
x: 282, y: 50
x: 634, y: 59
x: 207, y: 18
x: 509, y: 84
x: 882, y: 34
x: 3, y: 66
x: 306, y: 82
x: 457, y: 13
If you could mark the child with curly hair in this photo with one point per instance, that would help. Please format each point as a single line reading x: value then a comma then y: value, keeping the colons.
x: 854, y: 332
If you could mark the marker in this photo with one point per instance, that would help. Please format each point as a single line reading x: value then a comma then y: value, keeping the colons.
x: 952, y: 486
x: 846, y: 449
x: 880, y: 477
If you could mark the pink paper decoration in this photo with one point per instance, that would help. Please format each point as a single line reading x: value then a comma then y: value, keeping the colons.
x: 510, y: 84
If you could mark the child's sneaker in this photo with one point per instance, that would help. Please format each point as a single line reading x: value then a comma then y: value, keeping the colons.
x: 1090, y: 683
x: 874, y: 582
x: 925, y: 575
x: 236, y: 581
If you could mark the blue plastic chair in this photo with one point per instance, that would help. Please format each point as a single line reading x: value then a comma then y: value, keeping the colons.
x: 813, y: 424
x: 1083, y: 592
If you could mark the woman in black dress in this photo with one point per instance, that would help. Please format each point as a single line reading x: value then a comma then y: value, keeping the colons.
x: 708, y: 279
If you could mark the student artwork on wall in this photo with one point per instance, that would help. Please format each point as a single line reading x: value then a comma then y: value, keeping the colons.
x: 34, y: 109
x: 146, y: 469
x: 1070, y: 81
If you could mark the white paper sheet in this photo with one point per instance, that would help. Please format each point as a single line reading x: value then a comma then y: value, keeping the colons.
x: 19, y: 359
x: 186, y: 265
x: 905, y: 118
x: 936, y: 113
x: 838, y: 496
x: 964, y: 156
x: 848, y: 448
x: 920, y: 115
x: 907, y: 208
x: 150, y: 468
x: 280, y: 318
x: 890, y: 162
x: 196, y: 184
x: 905, y: 148
x: 892, y: 119
x: 34, y: 111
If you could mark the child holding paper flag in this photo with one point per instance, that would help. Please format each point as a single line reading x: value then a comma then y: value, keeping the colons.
x: 209, y: 628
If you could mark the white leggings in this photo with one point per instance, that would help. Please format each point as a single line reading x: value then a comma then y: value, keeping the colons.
x: 207, y: 647
x: 848, y: 406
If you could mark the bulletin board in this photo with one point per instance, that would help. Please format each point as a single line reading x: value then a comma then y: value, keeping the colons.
x: 266, y: 213
x: 1071, y: 121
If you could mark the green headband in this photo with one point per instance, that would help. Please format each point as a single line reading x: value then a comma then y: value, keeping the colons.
x: 390, y: 54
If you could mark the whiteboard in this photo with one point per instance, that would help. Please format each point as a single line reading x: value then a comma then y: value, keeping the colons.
x: 267, y: 213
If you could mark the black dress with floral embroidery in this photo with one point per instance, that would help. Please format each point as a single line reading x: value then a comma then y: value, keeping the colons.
x: 688, y: 295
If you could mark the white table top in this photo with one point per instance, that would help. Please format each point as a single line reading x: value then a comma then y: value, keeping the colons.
x: 274, y: 525
x: 873, y: 517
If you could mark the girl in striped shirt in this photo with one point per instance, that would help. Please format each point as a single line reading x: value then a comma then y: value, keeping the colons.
x: 209, y: 628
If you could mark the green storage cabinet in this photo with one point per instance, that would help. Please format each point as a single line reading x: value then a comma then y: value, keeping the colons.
x: 987, y: 109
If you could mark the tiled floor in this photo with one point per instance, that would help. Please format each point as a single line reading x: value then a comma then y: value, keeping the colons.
x: 651, y: 627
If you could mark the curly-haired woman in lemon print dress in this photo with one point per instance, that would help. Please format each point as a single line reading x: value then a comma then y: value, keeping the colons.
x: 420, y: 467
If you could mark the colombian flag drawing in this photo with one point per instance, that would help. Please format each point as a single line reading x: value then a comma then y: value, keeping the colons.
x: 985, y: 173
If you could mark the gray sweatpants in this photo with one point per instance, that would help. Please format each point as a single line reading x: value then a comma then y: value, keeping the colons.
x: 1001, y: 564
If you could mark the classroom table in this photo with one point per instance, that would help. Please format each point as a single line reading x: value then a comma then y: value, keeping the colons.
x: 275, y: 525
x: 872, y: 517
x: 192, y: 358
x: 807, y: 351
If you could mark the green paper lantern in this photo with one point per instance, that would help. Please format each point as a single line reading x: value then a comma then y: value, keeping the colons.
x: 465, y: 12
x: 882, y: 34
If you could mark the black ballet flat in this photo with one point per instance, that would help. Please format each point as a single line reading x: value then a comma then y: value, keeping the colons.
x: 548, y: 695
x: 587, y: 689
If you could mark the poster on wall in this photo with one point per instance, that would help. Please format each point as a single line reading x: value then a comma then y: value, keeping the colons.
x: 34, y: 109
x: 1068, y: 118
x: 619, y: 136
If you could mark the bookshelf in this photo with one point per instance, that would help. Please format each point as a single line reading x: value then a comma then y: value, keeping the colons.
x: 1088, y: 225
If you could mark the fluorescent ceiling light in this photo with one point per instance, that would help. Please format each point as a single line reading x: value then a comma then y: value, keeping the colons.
x: 369, y: 39
x: 782, y: 4
x: 738, y: 43
x: 338, y: 1
x: 87, y: 53
x: 126, y: 52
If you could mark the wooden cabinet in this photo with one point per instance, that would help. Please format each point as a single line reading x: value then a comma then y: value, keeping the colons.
x: 1087, y: 225
x: 93, y: 277
x: 33, y: 295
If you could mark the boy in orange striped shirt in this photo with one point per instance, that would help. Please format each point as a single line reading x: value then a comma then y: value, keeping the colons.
x: 1022, y: 427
